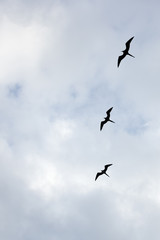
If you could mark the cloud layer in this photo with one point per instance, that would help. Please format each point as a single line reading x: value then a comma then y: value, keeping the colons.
x: 58, y: 77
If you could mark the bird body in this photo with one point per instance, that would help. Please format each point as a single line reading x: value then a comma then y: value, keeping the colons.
x: 125, y: 52
x: 103, y: 171
x: 106, y: 118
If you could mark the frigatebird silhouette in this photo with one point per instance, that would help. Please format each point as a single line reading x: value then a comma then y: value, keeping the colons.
x: 103, y: 171
x: 125, y: 52
x: 106, y: 118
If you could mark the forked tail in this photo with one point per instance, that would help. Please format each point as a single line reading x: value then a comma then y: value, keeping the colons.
x: 111, y: 121
x: 130, y: 55
x: 107, y: 174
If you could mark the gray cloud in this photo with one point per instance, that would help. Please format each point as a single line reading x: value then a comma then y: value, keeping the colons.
x: 58, y: 77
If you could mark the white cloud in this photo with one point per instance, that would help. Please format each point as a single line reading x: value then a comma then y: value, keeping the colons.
x: 58, y: 77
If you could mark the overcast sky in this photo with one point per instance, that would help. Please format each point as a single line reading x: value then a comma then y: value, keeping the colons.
x: 58, y: 77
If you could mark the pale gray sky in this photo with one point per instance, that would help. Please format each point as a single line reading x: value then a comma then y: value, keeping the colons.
x: 58, y: 76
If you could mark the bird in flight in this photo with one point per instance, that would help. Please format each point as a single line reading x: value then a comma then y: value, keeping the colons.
x: 103, y: 171
x: 125, y: 52
x: 106, y: 118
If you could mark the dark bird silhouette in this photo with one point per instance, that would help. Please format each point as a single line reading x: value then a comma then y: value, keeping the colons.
x: 103, y: 171
x: 125, y: 52
x: 106, y: 118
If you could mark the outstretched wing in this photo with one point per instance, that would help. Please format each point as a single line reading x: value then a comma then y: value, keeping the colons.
x: 97, y: 175
x: 108, y: 112
x: 106, y: 166
x: 120, y: 59
x: 128, y: 43
x: 101, y: 125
